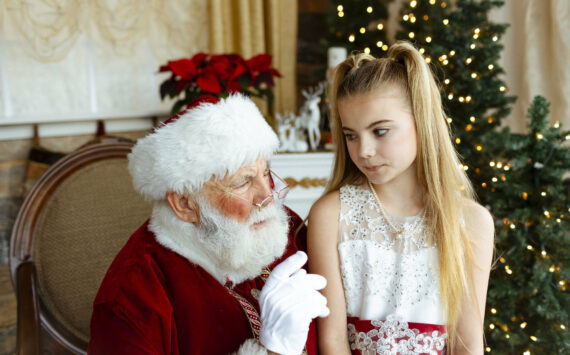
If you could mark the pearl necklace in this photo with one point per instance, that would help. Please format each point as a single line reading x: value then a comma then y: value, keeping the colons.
x: 385, y: 215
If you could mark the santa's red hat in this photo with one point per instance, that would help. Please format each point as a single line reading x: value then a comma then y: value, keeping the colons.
x: 210, y: 139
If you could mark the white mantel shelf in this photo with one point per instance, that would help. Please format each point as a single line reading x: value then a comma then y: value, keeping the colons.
x: 307, y: 174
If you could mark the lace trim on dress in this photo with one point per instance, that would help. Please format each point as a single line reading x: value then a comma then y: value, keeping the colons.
x: 394, y: 336
x: 360, y: 219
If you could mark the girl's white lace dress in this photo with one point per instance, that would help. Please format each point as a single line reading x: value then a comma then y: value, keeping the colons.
x: 391, y: 281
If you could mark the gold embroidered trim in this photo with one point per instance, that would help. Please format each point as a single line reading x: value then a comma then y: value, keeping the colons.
x: 250, y: 311
x: 306, y: 182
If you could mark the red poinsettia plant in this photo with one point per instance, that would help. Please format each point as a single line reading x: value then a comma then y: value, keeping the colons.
x: 219, y: 76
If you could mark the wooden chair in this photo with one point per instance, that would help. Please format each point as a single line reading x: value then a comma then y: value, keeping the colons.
x: 70, y: 227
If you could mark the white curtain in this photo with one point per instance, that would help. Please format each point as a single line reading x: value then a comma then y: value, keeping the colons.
x: 80, y: 60
x: 50, y: 28
x: 536, y: 57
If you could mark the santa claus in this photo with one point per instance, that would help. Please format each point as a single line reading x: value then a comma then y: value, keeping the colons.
x: 217, y: 269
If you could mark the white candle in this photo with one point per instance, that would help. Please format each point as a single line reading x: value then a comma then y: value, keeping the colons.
x: 335, y: 56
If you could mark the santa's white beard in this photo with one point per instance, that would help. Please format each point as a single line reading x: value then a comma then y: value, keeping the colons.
x: 238, y: 246
x: 223, y: 247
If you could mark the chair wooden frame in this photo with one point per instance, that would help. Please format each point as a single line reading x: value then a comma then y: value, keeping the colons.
x: 37, y: 328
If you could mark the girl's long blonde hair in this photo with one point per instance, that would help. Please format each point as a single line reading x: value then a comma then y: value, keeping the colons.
x: 438, y: 166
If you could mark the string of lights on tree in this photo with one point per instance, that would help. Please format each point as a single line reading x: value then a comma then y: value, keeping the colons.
x: 359, y: 25
x: 519, y: 177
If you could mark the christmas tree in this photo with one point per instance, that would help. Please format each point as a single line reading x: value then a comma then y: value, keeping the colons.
x: 358, y: 25
x: 528, y: 302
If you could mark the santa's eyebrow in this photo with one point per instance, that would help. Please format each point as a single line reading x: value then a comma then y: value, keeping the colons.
x: 249, y: 174
x: 242, y: 179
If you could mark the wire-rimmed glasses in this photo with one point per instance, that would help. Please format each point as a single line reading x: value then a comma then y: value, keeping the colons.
x: 279, y: 190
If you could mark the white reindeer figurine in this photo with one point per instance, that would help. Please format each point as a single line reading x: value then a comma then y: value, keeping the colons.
x: 292, y: 139
x: 286, y: 132
x: 310, y: 115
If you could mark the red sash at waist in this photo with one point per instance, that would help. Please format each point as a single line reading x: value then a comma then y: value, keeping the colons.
x: 394, y: 336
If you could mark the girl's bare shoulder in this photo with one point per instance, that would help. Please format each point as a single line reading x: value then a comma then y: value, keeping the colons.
x: 323, y: 218
x: 326, y: 206
x: 478, y: 222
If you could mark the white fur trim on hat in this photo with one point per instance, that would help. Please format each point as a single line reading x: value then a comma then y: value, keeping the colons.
x: 208, y: 140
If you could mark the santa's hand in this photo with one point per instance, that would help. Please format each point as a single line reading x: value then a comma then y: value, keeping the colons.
x: 289, y: 301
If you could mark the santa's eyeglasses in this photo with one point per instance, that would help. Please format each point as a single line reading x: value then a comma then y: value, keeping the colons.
x: 279, y: 190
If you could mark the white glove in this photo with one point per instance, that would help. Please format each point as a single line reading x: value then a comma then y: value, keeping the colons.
x: 289, y: 301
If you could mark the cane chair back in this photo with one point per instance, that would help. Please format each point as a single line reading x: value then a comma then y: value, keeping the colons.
x: 70, y: 227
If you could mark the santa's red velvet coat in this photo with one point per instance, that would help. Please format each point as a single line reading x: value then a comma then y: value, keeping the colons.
x: 154, y: 301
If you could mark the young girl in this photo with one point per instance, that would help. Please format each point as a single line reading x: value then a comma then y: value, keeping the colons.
x: 404, y: 247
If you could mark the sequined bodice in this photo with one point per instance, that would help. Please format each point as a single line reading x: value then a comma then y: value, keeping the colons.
x: 386, y: 274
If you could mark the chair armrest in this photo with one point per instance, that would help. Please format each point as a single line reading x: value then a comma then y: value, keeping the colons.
x: 28, y: 333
